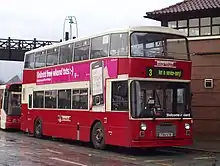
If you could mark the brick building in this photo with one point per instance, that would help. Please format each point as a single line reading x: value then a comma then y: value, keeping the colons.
x: 200, y: 20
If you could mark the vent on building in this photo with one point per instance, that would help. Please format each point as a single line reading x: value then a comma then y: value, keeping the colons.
x: 208, y: 83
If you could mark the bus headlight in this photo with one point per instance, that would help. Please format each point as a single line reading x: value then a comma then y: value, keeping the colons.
x: 187, y: 126
x: 143, y: 126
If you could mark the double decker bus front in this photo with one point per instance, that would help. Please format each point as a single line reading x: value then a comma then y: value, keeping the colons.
x: 11, y: 110
x: 160, y: 96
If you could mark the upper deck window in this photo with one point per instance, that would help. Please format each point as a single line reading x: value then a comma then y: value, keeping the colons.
x: 52, y: 57
x: 29, y: 61
x: 100, y: 47
x: 158, y: 45
x: 119, y: 44
x: 66, y: 52
x: 40, y: 59
x: 81, y: 50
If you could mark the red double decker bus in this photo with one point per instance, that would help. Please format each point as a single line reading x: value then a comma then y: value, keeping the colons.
x: 10, y: 106
x: 128, y: 87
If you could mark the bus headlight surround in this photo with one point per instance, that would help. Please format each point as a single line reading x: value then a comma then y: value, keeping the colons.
x: 187, y: 126
x: 143, y: 126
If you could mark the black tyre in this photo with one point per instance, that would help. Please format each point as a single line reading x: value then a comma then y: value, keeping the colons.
x: 38, y: 129
x: 98, y: 136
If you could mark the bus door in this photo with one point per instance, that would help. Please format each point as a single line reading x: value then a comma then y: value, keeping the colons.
x: 97, y: 86
x: 4, y: 107
x: 25, y: 113
x: 1, y: 101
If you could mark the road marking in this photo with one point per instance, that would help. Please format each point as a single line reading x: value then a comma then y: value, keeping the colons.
x: 204, y: 158
x: 163, y: 164
x: 95, y: 152
x: 154, y: 161
x: 67, y: 161
x: 128, y: 158
x: 53, y: 151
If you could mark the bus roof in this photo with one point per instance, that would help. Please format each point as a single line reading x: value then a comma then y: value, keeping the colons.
x: 7, y: 85
x: 129, y: 29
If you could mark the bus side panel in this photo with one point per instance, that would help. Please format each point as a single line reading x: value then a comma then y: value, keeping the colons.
x: 62, y: 123
x: 66, y: 123
x: 29, y: 76
x: 23, y: 119
x: 117, y: 128
x: 123, y: 66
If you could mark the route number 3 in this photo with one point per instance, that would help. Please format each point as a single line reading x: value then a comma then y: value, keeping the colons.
x: 150, y: 72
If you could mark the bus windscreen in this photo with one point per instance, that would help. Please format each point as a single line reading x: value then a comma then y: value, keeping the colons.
x: 159, y: 45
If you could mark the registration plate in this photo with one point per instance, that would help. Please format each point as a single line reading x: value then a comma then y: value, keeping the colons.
x: 166, y: 134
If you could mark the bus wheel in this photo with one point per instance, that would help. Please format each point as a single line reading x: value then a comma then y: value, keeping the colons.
x: 38, y: 129
x: 98, y: 136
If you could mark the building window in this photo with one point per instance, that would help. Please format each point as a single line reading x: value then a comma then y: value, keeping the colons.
x: 216, y: 30
x: 194, y: 22
x: 216, y: 20
x: 205, y: 31
x: 198, y: 26
x: 80, y: 99
x: 193, y: 31
x: 205, y: 21
x: 182, y: 23
x: 64, y: 99
x: 172, y: 24
x: 208, y: 83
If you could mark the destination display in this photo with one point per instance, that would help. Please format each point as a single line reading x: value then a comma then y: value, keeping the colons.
x: 158, y: 72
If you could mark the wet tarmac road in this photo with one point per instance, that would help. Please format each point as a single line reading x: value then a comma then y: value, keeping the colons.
x: 17, y: 149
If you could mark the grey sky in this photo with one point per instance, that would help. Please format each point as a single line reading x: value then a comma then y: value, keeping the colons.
x: 10, y: 69
x: 43, y: 19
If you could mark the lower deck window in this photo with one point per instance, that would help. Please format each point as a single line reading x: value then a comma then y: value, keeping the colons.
x: 64, y: 99
x: 119, y: 96
x: 80, y: 99
x: 38, y: 99
x: 51, y: 99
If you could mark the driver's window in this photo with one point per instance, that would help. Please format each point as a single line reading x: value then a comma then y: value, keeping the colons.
x: 169, y: 100
x: 180, y: 100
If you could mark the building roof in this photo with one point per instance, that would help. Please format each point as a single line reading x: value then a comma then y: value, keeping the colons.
x: 184, y: 6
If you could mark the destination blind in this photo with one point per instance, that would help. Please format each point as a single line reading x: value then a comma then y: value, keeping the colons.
x: 157, y: 72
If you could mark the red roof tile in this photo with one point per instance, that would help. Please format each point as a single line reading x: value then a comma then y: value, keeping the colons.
x: 186, y: 6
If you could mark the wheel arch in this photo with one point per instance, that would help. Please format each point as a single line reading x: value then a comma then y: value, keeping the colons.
x: 91, y: 128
